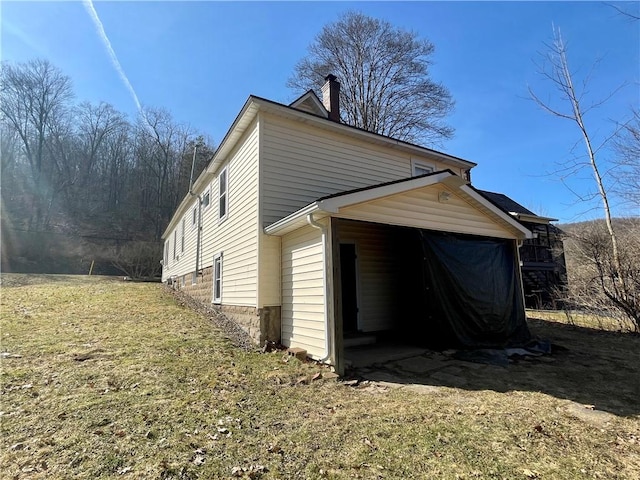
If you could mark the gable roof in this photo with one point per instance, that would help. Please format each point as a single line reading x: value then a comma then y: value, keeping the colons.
x: 332, y: 204
x: 513, y: 208
x: 309, y: 102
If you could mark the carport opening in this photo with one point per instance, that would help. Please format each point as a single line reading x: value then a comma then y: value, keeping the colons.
x: 416, y: 289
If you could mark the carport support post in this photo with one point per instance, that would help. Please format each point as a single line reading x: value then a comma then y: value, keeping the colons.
x: 336, y: 305
x: 327, y: 263
x: 518, y: 244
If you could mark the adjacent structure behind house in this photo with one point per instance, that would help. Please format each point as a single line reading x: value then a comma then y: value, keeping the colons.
x: 308, y: 231
x: 544, y: 271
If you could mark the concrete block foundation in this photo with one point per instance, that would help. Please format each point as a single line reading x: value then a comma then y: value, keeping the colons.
x: 261, y: 324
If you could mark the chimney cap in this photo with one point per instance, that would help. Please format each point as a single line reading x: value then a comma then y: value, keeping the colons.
x: 331, y: 78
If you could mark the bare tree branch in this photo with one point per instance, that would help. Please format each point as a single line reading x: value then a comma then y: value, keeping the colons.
x: 385, y: 76
x: 614, y: 282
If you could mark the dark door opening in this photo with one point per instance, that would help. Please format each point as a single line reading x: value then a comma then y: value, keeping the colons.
x: 349, y: 293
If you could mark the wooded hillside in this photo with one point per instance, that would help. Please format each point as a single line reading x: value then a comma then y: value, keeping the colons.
x: 82, y: 182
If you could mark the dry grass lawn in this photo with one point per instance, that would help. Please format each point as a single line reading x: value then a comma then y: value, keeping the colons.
x: 103, y: 378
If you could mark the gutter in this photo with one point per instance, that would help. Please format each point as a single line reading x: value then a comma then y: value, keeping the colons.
x: 325, y: 277
x: 193, y: 162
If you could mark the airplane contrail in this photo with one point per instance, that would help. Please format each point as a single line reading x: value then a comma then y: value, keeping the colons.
x: 88, y: 4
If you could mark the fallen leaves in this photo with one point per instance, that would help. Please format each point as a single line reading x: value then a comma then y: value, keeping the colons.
x: 9, y: 355
x: 253, y: 471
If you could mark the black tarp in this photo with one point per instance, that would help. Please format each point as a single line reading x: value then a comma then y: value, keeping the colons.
x: 473, y: 297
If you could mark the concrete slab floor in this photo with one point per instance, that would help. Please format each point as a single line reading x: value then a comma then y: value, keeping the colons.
x: 368, y: 355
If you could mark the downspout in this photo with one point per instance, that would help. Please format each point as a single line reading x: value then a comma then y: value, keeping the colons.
x: 193, y: 163
x: 325, y: 277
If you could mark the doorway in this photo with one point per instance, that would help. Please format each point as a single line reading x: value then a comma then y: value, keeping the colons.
x: 349, y: 293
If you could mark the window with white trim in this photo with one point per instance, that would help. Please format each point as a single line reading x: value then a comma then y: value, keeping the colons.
x: 166, y: 253
x: 222, y: 194
x: 206, y: 199
x: 421, y: 168
x: 175, y: 241
x: 182, y: 236
x: 217, y: 278
x: 194, y: 217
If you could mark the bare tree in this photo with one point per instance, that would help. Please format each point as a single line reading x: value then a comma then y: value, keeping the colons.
x: 614, y: 280
x: 95, y: 124
x: 34, y: 96
x: 593, y: 275
x: 627, y: 171
x: 385, y: 78
x: 138, y: 259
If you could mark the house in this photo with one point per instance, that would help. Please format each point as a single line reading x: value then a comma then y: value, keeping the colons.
x: 308, y: 231
x: 542, y: 262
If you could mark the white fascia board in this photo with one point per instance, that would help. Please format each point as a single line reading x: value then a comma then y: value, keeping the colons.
x: 526, y: 233
x: 533, y: 218
x: 237, y: 129
x: 284, y: 225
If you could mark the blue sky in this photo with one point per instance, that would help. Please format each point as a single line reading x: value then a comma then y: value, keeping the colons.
x: 201, y: 60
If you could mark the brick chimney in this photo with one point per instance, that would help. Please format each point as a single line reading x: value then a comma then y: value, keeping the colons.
x: 331, y: 97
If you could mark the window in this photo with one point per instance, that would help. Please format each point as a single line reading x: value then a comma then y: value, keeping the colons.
x: 217, y: 278
x: 166, y: 253
x: 182, y: 237
x: 194, y: 217
x: 420, y: 168
x: 222, y: 194
x: 175, y: 241
x: 206, y: 199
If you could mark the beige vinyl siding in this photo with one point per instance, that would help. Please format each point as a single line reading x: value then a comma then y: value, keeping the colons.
x: 237, y: 235
x: 376, y: 269
x: 420, y: 208
x: 185, y: 262
x: 303, y: 291
x: 269, y: 273
x: 301, y: 164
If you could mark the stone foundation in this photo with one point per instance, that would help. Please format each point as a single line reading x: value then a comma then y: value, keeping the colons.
x: 261, y: 324
x: 202, y: 290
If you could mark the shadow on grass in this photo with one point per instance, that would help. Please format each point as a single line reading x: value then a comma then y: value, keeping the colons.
x: 588, y: 366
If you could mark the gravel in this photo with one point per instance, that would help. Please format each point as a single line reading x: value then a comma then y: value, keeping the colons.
x: 232, y: 331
